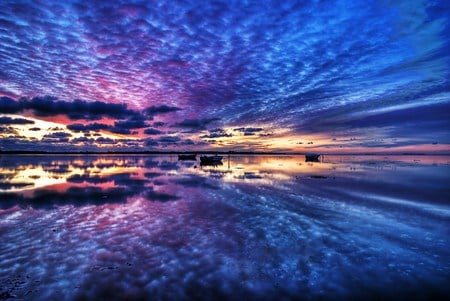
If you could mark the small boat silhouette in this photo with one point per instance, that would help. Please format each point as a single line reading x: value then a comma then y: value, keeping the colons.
x: 312, y: 158
x: 192, y: 157
x: 211, y: 160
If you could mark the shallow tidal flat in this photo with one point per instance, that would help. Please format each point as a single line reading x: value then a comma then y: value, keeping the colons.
x: 255, y: 227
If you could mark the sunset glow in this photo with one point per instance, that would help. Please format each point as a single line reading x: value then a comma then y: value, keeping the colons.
x: 348, y: 78
x: 224, y: 150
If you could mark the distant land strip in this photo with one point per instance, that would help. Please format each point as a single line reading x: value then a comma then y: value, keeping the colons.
x: 209, y: 152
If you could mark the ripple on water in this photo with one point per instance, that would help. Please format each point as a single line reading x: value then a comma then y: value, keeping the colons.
x: 257, y: 236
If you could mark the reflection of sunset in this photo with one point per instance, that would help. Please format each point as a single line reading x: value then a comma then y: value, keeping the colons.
x: 35, y: 176
x: 65, y: 172
x: 129, y: 219
x: 32, y: 177
x: 266, y: 169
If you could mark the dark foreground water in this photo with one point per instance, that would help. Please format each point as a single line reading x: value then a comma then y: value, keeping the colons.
x: 257, y: 227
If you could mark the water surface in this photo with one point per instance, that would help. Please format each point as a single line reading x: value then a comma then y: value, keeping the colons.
x: 256, y: 227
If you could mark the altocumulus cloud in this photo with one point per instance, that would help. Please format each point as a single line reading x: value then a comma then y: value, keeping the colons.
x: 310, y: 66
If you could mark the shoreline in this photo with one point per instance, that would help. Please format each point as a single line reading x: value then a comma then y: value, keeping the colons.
x: 215, y: 152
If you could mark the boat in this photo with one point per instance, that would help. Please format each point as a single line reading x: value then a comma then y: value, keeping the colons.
x: 312, y: 158
x: 186, y: 157
x: 211, y: 160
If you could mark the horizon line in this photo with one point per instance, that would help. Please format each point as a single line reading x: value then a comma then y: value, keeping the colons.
x: 23, y: 152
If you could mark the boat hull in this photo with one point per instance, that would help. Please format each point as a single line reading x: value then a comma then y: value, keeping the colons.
x: 312, y: 158
x: 211, y: 160
x: 187, y: 157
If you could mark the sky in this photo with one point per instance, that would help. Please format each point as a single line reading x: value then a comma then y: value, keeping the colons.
x: 299, y: 76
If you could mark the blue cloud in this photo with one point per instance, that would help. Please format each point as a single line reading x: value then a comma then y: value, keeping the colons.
x: 310, y: 67
x: 9, y: 120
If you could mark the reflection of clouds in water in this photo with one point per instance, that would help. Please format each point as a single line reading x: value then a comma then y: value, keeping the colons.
x: 44, y: 171
x: 202, y: 236
x: 140, y: 172
x: 196, y: 181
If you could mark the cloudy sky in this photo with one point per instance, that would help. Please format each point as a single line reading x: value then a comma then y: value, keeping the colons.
x: 328, y: 76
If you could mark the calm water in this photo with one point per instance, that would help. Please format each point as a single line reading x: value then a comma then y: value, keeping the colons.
x: 257, y: 227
